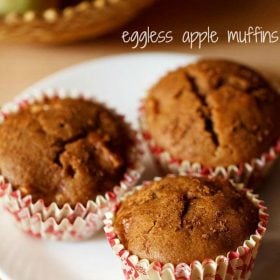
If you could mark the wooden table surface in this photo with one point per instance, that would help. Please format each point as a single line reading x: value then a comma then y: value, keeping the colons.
x: 22, y: 65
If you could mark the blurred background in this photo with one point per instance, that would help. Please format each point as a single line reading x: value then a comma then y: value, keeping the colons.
x: 23, y: 64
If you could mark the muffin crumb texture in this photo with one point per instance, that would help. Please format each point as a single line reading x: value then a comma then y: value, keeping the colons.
x: 63, y: 151
x: 183, y: 219
x: 214, y: 112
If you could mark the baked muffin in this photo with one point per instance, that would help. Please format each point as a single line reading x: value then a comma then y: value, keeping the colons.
x: 64, y: 150
x: 216, y: 113
x: 187, y: 228
x: 65, y: 160
x: 182, y: 219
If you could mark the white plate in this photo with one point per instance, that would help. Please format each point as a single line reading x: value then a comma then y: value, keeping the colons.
x: 121, y: 81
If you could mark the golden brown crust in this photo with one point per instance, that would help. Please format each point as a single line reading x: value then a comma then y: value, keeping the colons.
x: 64, y: 151
x: 214, y: 112
x: 182, y: 219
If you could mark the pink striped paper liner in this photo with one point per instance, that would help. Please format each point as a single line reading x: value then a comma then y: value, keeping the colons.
x: 65, y: 223
x: 247, y: 173
x: 235, y: 265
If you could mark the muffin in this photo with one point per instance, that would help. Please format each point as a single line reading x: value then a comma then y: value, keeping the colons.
x: 66, y: 152
x: 63, y: 150
x: 217, y: 114
x: 177, y: 221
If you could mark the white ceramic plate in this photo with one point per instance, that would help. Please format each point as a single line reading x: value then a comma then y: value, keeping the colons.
x: 121, y: 81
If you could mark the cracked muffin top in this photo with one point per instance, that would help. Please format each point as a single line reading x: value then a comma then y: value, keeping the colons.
x: 182, y: 219
x: 213, y: 112
x: 64, y: 150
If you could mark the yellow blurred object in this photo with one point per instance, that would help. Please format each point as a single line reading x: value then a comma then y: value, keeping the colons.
x: 21, y: 6
x: 87, y: 19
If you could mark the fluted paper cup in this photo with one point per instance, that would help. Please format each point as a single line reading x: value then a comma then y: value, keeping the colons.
x: 66, y: 222
x: 235, y: 265
x: 249, y: 173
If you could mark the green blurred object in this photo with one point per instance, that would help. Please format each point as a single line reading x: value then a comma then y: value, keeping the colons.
x: 68, y: 21
x: 21, y: 6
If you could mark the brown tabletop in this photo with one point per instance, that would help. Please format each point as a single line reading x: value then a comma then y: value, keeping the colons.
x: 22, y: 65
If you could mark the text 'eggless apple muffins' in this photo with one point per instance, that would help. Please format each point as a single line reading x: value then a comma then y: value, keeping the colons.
x: 182, y: 226
x: 213, y: 117
x: 65, y: 158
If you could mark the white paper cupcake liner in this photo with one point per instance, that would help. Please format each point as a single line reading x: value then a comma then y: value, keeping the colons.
x: 247, y: 173
x: 236, y: 265
x: 65, y: 223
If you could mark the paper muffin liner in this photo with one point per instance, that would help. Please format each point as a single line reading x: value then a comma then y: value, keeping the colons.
x: 235, y: 265
x: 66, y: 222
x: 249, y: 173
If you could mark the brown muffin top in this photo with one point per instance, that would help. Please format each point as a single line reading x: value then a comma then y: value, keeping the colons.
x: 64, y: 151
x: 214, y: 112
x: 182, y: 219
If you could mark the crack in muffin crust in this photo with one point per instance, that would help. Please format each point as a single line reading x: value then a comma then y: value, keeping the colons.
x: 205, y: 111
x: 64, y: 150
x: 214, y: 112
x: 190, y: 219
x: 185, y: 208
